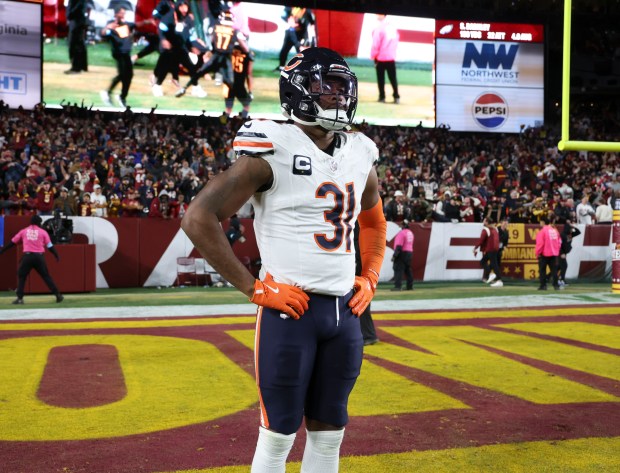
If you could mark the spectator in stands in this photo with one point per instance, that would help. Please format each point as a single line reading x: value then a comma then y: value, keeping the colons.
x: 131, y: 204
x: 160, y: 206
x: 114, y: 205
x: 181, y: 207
x: 565, y: 191
x: 585, y: 212
x: 235, y: 230
x: 421, y: 210
x: 110, y: 145
x: 467, y: 211
x: 397, y: 210
x: 99, y: 203
x: 65, y: 203
x: 604, y: 213
x: 452, y: 209
x: 45, y: 198
x: 563, y: 211
x: 20, y: 202
x: 439, y: 212
x: 85, y: 207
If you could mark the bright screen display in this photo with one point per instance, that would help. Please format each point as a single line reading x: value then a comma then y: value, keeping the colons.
x: 489, y: 76
x: 20, y: 53
x: 266, y: 26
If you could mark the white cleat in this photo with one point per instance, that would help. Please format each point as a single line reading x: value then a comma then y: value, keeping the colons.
x: 105, y: 98
x: 492, y: 277
x: 497, y: 284
x: 119, y: 100
x: 157, y: 91
x: 199, y: 92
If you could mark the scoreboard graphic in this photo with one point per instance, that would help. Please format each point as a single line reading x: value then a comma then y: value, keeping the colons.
x: 489, y: 76
x: 519, y: 257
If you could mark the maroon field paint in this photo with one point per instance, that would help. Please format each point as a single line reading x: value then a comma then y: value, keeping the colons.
x: 82, y: 376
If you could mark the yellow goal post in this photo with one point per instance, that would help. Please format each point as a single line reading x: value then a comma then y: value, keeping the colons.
x: 565, y: 143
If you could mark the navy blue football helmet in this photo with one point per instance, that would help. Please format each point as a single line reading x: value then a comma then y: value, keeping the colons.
x: 318, y: 88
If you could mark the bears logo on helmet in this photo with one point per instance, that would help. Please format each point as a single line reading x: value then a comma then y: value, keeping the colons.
x: 318, y: 88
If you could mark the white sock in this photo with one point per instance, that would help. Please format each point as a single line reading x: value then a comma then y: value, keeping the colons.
x: 272, y: 449
x: 322, y: 452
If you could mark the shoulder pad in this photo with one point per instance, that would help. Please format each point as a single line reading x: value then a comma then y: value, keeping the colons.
x: 255, y: 138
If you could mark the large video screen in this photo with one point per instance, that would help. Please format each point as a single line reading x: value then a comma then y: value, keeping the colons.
x: 20, y: 53
x: 489, y: 76
x: 266, y: 26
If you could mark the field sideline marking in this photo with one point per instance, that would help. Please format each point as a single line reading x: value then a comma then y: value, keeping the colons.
x: 503, y: 302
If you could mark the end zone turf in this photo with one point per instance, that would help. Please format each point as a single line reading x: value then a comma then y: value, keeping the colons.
x: 478, y: 390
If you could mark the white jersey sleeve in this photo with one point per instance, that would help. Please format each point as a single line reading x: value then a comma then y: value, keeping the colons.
x: 304, y: 222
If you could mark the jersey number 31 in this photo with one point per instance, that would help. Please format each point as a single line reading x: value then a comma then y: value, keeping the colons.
x: 337, y: 216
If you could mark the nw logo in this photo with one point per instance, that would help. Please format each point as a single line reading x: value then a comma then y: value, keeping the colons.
x: 489, y: 57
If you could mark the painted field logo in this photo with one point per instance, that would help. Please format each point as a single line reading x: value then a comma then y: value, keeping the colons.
x: 490, y: 110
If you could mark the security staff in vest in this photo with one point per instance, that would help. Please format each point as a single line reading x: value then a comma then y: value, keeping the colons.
x: 34, y: 240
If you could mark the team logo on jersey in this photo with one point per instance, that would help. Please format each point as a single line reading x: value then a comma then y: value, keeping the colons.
x: 302, y: 165
x: 490, y: 110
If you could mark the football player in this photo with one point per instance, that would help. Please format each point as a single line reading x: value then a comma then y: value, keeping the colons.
x: 309, y: 182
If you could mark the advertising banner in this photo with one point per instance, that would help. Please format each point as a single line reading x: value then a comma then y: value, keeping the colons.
x: 489, y: 77
x: 20, y: 53
x: 135, y: 252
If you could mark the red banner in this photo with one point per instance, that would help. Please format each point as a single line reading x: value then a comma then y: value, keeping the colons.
x: 135, y: 252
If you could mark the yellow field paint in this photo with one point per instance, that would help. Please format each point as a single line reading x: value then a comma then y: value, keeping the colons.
x: 497, y: 313
x: 593, y: 455
x: 455, y: 359
x: 246, y: 337
x: 245, y: 319
x: 403, y: 395
x: 603, y: 335
x: 397, y: 395
x: 569, y: 456
x: 171, y: 382
x: 577, y: 358
x: 103, y: 324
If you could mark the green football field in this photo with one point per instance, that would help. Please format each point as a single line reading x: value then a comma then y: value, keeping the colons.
x: 415, y: 84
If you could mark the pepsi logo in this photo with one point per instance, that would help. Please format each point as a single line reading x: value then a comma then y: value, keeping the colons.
x: 490, y: 110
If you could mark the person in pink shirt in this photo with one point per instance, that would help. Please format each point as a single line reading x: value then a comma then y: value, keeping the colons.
x: 548, y: 243
x: 34, y: 240
x: 403, y: 253
x: 383, y: 51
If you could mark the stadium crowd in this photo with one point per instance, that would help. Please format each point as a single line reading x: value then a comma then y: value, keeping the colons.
x: 87, y: 163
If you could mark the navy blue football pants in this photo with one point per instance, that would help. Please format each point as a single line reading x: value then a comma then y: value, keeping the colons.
x: 307, y: 366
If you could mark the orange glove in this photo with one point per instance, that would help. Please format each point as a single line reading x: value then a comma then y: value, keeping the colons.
x: 283, y: 297
x: 364, y: 292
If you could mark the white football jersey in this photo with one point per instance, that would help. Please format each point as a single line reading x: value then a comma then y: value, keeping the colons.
x: 304, y: 222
